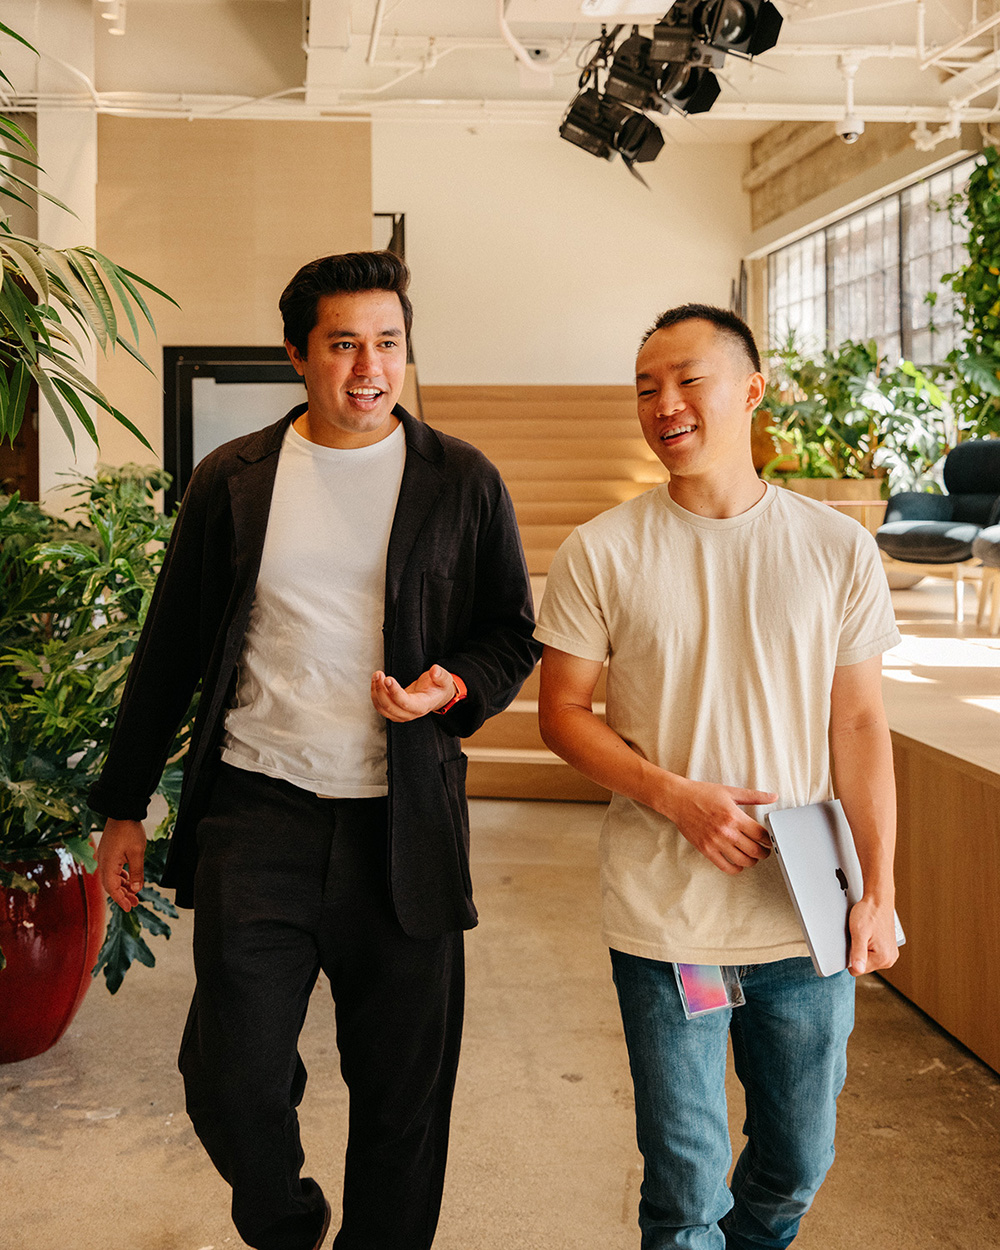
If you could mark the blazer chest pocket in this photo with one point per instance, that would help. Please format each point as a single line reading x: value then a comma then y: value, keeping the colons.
x: 441, y: 602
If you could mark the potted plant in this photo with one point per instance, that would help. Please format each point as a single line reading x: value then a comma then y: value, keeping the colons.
x: 73, y: 594
x: 850, y: 424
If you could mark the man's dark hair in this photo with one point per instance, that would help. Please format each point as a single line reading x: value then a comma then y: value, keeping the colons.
x: 333, y: 275
x: 726, y: 322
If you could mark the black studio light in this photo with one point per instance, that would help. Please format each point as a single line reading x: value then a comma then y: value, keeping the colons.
x: 688, y: 88
x: 742, y: 27
x: 638, y: 139
x: 606, y: 128
x: 588, y: 124
x: 670, y: 71
x: 630, y: 76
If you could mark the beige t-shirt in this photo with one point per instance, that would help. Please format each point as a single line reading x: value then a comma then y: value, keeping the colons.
x: 721, y: 638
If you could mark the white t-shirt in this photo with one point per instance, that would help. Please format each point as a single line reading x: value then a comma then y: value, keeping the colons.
x: 721, y: 638
x: 303, y: 709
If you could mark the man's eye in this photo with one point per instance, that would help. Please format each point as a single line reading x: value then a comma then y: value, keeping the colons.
x: 646, y: 394
x: 342, y: 343
x: 389, y: 343
x: 691, y: 381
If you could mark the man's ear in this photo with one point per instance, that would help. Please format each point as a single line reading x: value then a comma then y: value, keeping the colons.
x: 296, y: 357
x: 755, y: 389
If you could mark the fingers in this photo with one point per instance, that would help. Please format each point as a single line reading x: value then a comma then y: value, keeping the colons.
x: 873, y: 944
x: 752, y: 798
x: 430, y: 691
x: 120, y: 861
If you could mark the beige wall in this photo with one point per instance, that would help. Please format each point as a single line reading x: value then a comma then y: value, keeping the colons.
x: 537, y: 264
x: 219, y: 214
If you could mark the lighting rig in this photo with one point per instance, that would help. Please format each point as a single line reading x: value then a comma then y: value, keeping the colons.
x: 669, y: 71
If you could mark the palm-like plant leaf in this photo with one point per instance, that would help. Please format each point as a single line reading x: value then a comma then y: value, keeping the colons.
x: 44, y: 290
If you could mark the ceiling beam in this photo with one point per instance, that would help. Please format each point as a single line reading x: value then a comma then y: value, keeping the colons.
x: 327, y: 40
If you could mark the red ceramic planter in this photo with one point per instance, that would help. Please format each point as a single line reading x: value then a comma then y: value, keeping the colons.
x: 51, y: 940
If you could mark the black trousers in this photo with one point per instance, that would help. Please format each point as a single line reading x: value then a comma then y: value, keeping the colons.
x: 287, y: 884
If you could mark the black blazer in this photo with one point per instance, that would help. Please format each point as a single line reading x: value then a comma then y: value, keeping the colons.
x: 456, y: 593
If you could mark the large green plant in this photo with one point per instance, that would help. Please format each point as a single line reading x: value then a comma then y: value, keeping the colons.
x: 52, y: 298
x: 73, y: 595
x: 850, y: 413
x: 975, y: 385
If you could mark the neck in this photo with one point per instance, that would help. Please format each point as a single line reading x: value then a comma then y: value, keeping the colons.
x: 717, y: 499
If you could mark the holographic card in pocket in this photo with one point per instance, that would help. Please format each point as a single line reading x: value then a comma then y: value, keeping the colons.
x: 707, y: 987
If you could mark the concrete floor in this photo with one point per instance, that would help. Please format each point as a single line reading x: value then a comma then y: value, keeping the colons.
x: 96, y: 1152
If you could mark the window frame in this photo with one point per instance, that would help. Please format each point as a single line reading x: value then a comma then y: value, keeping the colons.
x: 899, y: 292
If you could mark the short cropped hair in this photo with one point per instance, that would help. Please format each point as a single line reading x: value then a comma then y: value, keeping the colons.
x: 726, y: 322
x: 333, y: 275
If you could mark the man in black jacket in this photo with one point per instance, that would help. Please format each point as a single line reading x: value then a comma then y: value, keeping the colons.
x: 348, y: 588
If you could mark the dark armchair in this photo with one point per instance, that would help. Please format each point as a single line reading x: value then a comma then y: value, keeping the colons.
x: 936, y: 532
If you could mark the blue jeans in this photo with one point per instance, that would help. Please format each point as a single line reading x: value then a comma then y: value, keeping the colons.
x: 790, y: 1050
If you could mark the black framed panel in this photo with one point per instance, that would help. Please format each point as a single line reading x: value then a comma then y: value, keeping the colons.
x: 187, y: 436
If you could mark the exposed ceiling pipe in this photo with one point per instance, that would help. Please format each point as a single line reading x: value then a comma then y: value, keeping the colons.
x: 926, y: 140
x: 980, y: 89
x: 520, y: 51
x: 377, y: 21
x: 970, y: 36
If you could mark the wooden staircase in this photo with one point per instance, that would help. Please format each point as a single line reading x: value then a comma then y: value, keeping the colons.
x: 566, y: 453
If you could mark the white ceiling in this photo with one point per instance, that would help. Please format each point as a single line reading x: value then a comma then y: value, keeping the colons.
x: 448, y: 59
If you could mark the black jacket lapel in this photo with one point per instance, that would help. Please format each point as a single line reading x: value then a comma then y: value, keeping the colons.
x: 418, y: 492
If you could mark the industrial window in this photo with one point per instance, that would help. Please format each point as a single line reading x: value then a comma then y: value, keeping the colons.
x: 869, y: 275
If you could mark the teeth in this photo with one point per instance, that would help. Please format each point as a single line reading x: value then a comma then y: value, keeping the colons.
x: 365, y: 392
x: 681, y: 429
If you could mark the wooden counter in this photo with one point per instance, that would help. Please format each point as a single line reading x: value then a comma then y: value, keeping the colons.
x: 948, y: 892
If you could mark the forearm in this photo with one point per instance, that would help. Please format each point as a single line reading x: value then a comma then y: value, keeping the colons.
x: 581, y: 738
x: 862, y: 760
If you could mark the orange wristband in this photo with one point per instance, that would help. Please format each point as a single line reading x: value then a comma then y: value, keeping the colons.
x: 457, y: 697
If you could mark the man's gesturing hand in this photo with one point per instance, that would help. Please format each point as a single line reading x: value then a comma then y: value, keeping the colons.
x: 711, y: 819
x: 122, y: 842
x: 430, y: 691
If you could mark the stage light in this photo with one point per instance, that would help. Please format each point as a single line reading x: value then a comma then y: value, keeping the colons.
x: 606, y: 127
x: 686, y: 87
x: 742, y: 27
x: 671, y: 70
x: 588, y: 125
x: 630, y: 76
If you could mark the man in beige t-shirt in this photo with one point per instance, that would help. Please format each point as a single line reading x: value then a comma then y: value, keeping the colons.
x: 743, y: 628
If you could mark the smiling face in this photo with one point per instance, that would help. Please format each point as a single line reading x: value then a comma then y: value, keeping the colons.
x: 696, y: 393
x: 354, y: 368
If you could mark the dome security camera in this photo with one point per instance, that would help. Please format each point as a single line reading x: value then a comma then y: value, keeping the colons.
x: 850, y: 128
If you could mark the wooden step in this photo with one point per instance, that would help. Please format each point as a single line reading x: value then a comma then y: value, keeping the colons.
x: 557, y: 512
x: 525, y: 399
x: 551, y: 536
x: 539, y: 559
x: 567, y: 449
x: 490, y: 429
x: 607, y: 489
x: 567, y: 453
x: 526, y: 774
x: 644, y: 469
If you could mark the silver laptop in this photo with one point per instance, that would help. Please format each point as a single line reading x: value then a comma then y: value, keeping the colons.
x: 820, y: 865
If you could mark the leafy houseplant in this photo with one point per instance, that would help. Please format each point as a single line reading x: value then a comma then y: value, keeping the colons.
x: 49, y: 297
x: 975, y: 381
x: 72, y: 600
x: 850, y: 414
